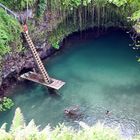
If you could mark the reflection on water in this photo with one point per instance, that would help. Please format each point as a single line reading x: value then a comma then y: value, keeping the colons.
x: 100, y: 74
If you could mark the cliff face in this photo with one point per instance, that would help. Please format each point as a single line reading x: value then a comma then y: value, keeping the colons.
x: 13, y: 64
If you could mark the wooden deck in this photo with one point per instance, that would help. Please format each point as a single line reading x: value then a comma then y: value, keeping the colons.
x: 35, y: 77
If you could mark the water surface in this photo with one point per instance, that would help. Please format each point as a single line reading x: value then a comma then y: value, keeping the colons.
x: 101, y: 74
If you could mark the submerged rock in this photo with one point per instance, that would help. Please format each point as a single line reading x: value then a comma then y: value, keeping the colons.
x: 73, y: 111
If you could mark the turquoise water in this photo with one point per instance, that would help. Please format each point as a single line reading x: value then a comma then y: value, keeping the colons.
x: 100, y: 74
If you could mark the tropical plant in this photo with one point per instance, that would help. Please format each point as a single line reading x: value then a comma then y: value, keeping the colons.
x: 20, y: 131
x: 9, y: 33
x: 6, y: 103
x: 135, y: 16
x: 18, y: 4
x: 41, y: 7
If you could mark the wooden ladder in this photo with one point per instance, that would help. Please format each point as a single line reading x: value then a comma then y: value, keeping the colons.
x: 42, y: 77
x: 39, y: 63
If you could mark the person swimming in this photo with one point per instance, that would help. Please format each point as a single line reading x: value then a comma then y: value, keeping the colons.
x: 69, y: 112
x: 107, y: 112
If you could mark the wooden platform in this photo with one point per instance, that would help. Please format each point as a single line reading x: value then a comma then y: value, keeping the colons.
x: 35, y: 77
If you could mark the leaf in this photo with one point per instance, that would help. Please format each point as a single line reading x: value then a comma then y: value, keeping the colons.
x: 18, y: 121
x: 135, y: 16
x: 3, y: 127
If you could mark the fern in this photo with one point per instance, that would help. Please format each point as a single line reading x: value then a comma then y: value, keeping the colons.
x: 18, y: 121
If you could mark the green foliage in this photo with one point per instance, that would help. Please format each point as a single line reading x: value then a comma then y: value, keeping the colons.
x: 118, y: 2
x: 60, y: 33
x: 107, y: 13
x: 135, y: 16
x: 9, y: 33
x: 55, y: 44
x: 6, y: 104
x: 86, y: 2
x: 70, y: 4
x: 20, y: 131
x: 42, y: 4
x: 18, y: 121
x: 132, y: 6
x: 137, y: 137
x: 18, y: 4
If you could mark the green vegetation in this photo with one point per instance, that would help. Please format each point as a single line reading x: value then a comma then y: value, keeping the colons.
x: 79, y: 15
x: 134, y: 6
x: 18, y: 4
x: 6, y: 104
x: 9, y: 34
x: 19, y: 130
x: 41, y: 7
x: 83, y: 13
x: 60, y: 33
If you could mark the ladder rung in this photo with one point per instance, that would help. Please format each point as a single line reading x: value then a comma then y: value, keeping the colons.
x: 37, y: 58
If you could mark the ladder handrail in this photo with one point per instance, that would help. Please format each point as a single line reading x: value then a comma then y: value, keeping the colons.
x: 8, y: 10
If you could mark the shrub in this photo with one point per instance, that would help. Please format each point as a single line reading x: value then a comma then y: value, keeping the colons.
x: 5, y: 104
x: 42, y: 4
x: 19, y: 130
x: 18, y: 4
x: 9, y: 33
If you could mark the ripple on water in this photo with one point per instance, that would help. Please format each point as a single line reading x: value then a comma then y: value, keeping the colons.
x: 100, y: 74
x: 91, y: 115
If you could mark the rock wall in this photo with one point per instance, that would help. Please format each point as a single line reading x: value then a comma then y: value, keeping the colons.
x: 13, y: 64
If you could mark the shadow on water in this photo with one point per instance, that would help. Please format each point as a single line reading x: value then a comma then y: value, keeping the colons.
x: 48, y: 92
